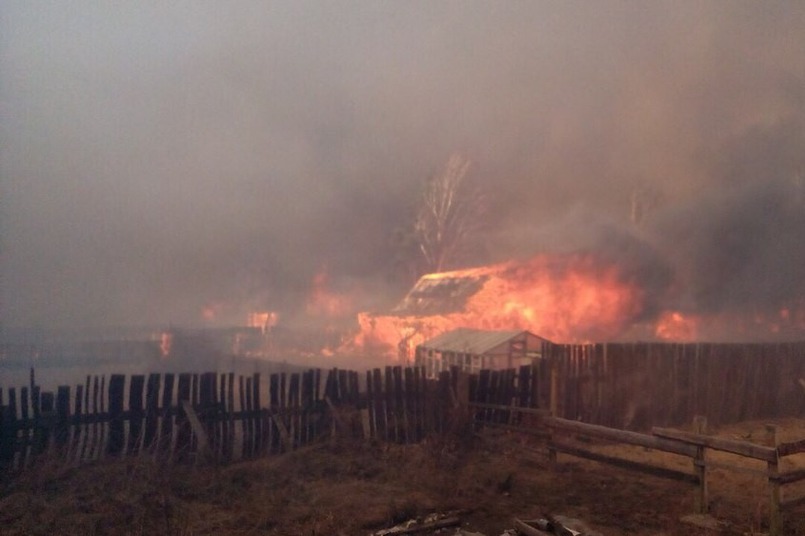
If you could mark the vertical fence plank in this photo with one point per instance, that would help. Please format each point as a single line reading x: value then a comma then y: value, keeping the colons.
x: 773, y: 470
x: 274, y: 404
x: 25, y: 433
x: 399, y: 409
x: 409, y: 413
x: 223, y: 421
x: 307, y: 407
x: 165, y: 441
x: 43, y: 430
x: 183, y: 393
x: 248, y: 440
x: 293, y: 408
x: 151, y: 411
x: 8, y: 430
x: 206, y: 387
x: 95, y: 442
x: 116, y: 426
x: 230, y: 402
x: 62, y: 426
x: 379, y: 404
x: 136, y: 413
x: 258, y: 415
x: 77, y: 425
x: 370, y: 404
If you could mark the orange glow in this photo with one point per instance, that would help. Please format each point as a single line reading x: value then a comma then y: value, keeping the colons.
x: 210, y: 312
x: 263, y: 320
x: 674, y: 326
x: 323, y: 301
x: 564, y: 298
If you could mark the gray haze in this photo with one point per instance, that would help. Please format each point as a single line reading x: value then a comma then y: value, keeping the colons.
x: 161, y: 157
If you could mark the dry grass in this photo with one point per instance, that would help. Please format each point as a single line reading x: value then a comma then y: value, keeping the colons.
x: 355, y: 488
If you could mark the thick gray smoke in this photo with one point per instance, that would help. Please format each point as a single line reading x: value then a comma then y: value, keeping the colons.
x: 163, y: 158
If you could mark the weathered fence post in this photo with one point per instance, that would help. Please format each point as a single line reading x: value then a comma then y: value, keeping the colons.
x: 700, y: 467
x: 8, y: 432
x: 136, y: 413
x: 62, y: 425
x: 116, y: 425
x: 775, y: 515
x: 554, y: 404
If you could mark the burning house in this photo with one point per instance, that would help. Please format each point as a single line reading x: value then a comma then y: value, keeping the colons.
x: 564, y: 297
x: 472, y: 350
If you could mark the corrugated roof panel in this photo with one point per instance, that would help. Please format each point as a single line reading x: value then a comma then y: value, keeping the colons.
x: 470, y: 341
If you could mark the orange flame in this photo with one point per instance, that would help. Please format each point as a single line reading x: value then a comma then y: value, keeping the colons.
x: 564, y: 298
x: 324, y: 302
x: 674, y: 326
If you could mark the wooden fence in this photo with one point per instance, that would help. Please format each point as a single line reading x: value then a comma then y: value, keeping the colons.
x: 639, y: 385
x: 184, y: 416
x: 224, y: 417
x: 578, y: 439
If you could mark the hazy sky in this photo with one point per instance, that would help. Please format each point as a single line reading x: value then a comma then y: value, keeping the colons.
x: 159, y: 157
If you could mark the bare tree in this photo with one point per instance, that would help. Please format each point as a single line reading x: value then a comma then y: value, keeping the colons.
x: 644, y: 199
x: 449, y: 213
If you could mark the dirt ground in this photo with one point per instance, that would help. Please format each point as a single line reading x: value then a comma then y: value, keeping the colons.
x: 355, y: 488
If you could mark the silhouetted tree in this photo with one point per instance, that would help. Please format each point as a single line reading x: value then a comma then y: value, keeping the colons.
x: 449, y: 213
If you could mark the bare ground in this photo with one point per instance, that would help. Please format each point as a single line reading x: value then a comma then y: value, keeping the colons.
x: 345, y: 488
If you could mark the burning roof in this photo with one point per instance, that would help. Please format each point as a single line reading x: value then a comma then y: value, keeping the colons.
x: 438, y: 294
x: 565, y: 297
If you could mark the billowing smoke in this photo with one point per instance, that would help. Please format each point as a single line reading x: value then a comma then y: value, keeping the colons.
x: 159, y: 161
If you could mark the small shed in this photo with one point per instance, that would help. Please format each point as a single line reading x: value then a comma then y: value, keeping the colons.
x: 472, y: 350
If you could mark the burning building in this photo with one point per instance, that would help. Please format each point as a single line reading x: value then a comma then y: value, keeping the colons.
x: 565, y: 297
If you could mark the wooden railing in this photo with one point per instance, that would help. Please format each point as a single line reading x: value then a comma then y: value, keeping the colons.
x: 559, y: 435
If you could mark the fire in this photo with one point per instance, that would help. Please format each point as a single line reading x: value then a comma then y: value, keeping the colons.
x: 323, y: 301
x: 264, y: 320
x: 732, y: 326
x: 674, y: 326
x: 564, y: 298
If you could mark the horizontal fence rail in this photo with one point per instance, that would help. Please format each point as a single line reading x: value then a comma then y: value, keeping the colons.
x: 562, y: 436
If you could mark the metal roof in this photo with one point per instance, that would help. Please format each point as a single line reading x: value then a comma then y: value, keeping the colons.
x: 472, y: 341
x: 437, y: 294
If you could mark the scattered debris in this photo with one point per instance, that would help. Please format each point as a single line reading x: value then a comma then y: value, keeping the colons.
x: 428, y: 523
x: 704, y: 521
x: 549, y: 525
x: 553, y: 525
